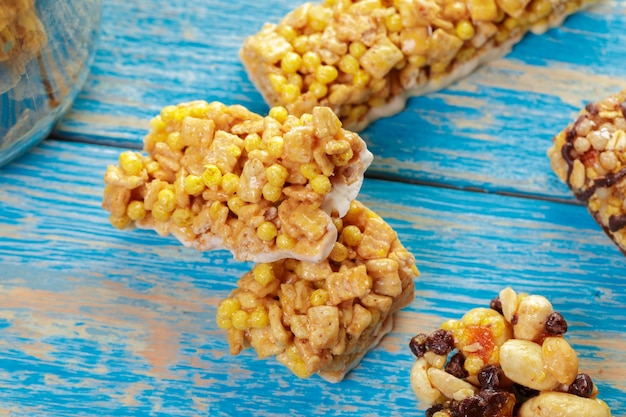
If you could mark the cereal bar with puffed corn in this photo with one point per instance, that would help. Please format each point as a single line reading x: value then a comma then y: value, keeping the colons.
x: 218, y: 176
x: 364, y: 58
x: 589, y: 155
x: 509, y: 360
x: 322, y: 318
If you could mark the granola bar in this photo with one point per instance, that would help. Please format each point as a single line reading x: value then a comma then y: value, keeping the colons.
x: 323, y: 317
x: 217, y: 176
x: 589, y: 155
x: 511, y: 359
x: 363, y: 58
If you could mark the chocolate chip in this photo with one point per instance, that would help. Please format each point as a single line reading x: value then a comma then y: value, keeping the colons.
x: 490, y: 377
x: 473, y: 406
x: 432, y: 410
x: 418, y: 345
x: 455, y: 366
x: 582, y: 386
x: 496, y: 304
x: 556, y: 324
x: 440, y: 342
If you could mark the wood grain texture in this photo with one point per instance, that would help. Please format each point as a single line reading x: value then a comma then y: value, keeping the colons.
x: 95, y: 321
x: 489, y: 131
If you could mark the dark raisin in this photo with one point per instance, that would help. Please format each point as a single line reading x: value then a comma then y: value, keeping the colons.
x: 496, y: 304
x: 489, y: 394
x: 556, y: 324
x: 455, y: 366
x: 418, y: 345
x: 582, y: 386
x: 525, y: 391
x: 432, y: 410
x: 499, y: 403
x: 440, y: 342
x: 592, y: 109
x: 617, y: 222
x: 473, y: 406
x: 622, y: 107
x: 514, y: 319
x: 489, y: 377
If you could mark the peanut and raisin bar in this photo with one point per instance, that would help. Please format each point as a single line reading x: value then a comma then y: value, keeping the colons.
x: 363, y: 58
x: 509, y: 360
x: 589, y: 155
x: 218, y: 176
x: 323, y: 317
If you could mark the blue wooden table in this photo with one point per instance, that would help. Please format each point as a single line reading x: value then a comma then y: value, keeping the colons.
x: 98, y: 322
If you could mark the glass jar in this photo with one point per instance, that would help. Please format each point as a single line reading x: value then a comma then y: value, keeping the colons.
x: 46, y: 49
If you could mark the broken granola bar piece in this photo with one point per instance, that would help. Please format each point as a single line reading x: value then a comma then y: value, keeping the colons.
x: 364, y: 58
x: 510, y: 360
x: 218, y: 176
x: 324, y: 317
x: 589, y: 155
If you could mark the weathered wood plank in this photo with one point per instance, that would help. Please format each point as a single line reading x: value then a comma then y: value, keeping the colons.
x: 101, y: 322
x: 489, y: 131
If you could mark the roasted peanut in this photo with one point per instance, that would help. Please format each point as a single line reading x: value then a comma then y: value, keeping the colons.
x: 449, y: 385
x: 560, y: 404
x: 532, y: 313
x: 422, y: 387
x: 489, y: 365
x: 560, y: 359
x: 522, y: 362
x: 510, y: 302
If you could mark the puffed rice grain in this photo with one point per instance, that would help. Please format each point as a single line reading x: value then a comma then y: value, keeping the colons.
x: 363, y: 58
x: 323, y: 317
x: 218, y: 176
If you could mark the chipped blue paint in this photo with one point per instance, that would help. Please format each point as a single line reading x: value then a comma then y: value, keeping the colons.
x: 98, y: 321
